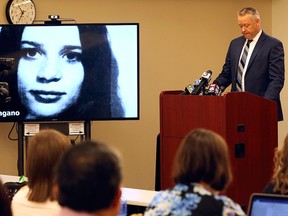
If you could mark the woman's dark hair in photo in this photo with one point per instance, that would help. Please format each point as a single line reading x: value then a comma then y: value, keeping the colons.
x: 99, y: 96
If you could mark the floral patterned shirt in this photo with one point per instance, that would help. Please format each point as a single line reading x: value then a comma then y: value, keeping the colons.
x: 193, y: 200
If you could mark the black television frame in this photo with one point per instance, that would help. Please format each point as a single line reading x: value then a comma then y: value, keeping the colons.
x: 84, y: 118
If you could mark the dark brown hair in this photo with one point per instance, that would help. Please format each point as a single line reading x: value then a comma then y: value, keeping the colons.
x: 5, y: 204
x: 44, y: 152
x: 89, y: 176
x: 203, y: 157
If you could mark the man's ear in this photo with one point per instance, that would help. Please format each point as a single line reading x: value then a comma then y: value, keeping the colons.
x: 117, y: 198
x: 55, y: 191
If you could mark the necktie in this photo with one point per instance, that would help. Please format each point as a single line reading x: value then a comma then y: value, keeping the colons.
x: 242, y: 65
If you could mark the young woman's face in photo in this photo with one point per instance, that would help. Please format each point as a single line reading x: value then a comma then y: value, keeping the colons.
x: 50, y: 71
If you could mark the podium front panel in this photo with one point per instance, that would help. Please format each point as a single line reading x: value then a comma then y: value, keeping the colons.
x: 247, y: 122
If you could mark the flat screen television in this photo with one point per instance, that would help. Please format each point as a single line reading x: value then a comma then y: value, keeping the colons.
x: 69, y: 72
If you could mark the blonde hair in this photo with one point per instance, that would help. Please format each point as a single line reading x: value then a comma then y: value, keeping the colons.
x: 44, y: 152
x: 280, y: 175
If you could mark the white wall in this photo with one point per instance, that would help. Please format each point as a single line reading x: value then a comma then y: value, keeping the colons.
x: 280, y: 30
x: 179, y: 40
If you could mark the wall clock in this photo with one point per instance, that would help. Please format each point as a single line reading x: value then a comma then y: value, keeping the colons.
x: 20, y: 11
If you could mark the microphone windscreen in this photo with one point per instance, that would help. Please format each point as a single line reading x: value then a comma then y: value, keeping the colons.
x: 213, y: 89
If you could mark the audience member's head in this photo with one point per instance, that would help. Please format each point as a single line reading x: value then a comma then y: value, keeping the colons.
x: 44, y: 152
x: 5, y: 205
x: 203, y: 157
x: 201, y: 171
x: 280, y: 175
x: 89, y: 179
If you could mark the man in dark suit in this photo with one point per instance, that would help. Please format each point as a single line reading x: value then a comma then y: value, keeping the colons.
x: 262, y: 64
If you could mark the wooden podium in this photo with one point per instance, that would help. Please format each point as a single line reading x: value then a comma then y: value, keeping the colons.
x: 247, y: 122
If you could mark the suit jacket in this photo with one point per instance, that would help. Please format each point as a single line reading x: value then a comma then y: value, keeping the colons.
x: 265, y: 71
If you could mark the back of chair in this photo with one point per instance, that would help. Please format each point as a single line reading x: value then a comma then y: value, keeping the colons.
x: 13, y: 187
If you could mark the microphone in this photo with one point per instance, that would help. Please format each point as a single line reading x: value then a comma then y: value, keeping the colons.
x: 215, y: 89
x: 4, y: 73
x: 6, y: 63
x: 190, y: 88
x: 6, y: 66
x: 203, y: 82
x: 4, y: 92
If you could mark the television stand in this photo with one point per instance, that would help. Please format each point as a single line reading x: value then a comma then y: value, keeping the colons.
x: 29, y: 129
